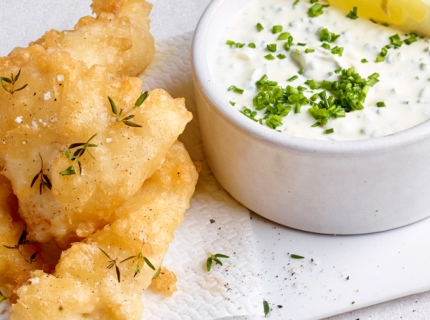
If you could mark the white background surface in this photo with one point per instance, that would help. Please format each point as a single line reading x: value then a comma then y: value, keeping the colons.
x: 174, y: 17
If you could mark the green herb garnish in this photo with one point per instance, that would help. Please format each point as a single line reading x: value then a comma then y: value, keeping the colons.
x: 284, y: 36
x: 352, y: 14
x: 296, y: 256
x: 259, y: 27
x: 252, y: 45
x: 276, y: 29
x: 235, y: 89
x: 396, y: 41
x: 328, y: 131
x: 75, y: 157
x: 21, y: 242
x: 337, y: 50
x: 380, y: 104
x: 124, y: 117
x: 231, y: 43
x: 44, y: 180
x: 326, y: 46
x: 328, y: 36
x: 308, y: 50
x: 156, y: 274
x: 269, y: 57
x: 2, y: 297
x: 12, y: 80
x: 281, y: 56
x: 292, y: 78
x: 140, y: 258
x: 112, y: 262
x: 271, y: 47
x: 214, y: 257
x: 316, y: 10
x: 364, y: 61
x: 266, y: 308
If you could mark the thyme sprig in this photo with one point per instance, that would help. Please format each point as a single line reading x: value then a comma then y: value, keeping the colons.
x: 214, y: 257
x: 123, y: 116
x: 2, y: 297
x: 140, y: 257
x: 112, y: 263
x: 79, y: 152
x: 44, y: 180
x: 24, y: 241
x: 157, y: 273
x: 12, y: 80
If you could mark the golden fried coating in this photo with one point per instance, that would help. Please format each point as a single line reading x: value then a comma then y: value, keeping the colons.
x: 118, y: 38
x: 15, y: 267
x: 65, y: 102
x: 82, y: 285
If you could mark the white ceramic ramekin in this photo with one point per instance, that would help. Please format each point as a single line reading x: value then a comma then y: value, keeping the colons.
x: 332, y: 187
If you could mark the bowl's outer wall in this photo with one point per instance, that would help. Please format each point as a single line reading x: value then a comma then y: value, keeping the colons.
x: 336, y: 188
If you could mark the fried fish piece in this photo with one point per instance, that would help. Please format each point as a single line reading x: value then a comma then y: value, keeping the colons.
x: 82, y: 285
x: 118, y: 38
x: 65, y: 103
x: 15, y: 255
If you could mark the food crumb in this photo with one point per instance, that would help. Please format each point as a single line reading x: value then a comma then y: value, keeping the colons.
x: 212, y: 220
x: 280, y: 306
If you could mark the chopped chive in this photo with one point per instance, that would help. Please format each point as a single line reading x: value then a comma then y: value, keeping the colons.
x: 276, y: 29
x: 235, y: 89
x: 259, y: 27
x: 380, y: 104
x: 313, y: 1
x: 296, y: 2
x: 374, y: 21
x: 284, y: 36
x: 292, y: 78
x: 301, y: 44
x: 352, y: 14
x: 232, y: 103
x: 240, y: 45
x: 411, y: 39
x: 252, y: 45
x: 316, y: 124
x: 380, y: 58
x: 316, y: 10
x: 281, y: 56
x: 230, y: 43
x: 308, y: 50
x: 328, y: 131
x: 396, y: 41
x: 337, y: 50
x: 326, y: 46
x: 269, y: 57
x: 384, y: 52
x: 271, y: 47
x: 296, y: 256
x: 297, y: 52
x: 364, y: 61
x: 266, y: 306
x: 328, y: 36
x: 300, y: 71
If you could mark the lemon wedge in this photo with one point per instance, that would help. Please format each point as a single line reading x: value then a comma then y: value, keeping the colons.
x: 408, y: 15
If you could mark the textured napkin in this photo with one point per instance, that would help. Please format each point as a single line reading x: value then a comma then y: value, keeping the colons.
x: 215, y: 222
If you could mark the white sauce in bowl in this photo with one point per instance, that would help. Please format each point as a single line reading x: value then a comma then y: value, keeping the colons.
x: 404, y: 81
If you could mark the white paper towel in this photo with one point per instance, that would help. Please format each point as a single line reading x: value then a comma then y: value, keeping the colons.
x: 228, y: 290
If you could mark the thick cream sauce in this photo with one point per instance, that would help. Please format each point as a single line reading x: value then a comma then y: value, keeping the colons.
x: 404, y: 84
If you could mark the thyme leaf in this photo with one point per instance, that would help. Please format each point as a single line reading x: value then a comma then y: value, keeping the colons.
x: 2, y: 297
x: 214, y: 257
x: 157, y: 273
x: 44, y: 180
x: 112, y: 263
x: 123, y: 116
x: 11, y: 81
x: 76, y: 155
x: 23, y: 241
x: 266, y: 308
x: 140, y: 257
